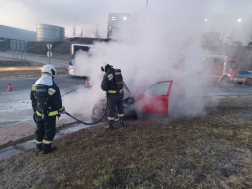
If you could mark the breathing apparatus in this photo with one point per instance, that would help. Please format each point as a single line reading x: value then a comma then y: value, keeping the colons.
x: 118, y: 75
x: 43, y: 92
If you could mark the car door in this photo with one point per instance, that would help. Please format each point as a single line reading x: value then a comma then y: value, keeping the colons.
x: 155, y: 99
x: 242, y: 75
x: 238, y: 78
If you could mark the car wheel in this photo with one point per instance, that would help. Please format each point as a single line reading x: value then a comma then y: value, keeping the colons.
x: 224, y: 82
x: 248, y: 81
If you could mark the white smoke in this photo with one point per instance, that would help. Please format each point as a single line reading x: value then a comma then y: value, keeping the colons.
x: 146, y: 51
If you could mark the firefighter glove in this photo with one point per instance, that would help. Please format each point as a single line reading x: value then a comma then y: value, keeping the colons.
x: 62, y: 111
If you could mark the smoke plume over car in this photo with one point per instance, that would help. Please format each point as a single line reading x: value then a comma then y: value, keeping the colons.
x: 148, y: 50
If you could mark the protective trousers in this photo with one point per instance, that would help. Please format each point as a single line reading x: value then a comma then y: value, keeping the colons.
x: 115, y: 102
x: 46, y: 129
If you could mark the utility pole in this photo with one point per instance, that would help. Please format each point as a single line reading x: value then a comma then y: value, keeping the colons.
x: 49, y: 52
x: 147, y: 3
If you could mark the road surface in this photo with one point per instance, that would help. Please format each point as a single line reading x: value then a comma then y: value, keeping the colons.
x: 15, y: 106
x: 40, y: 59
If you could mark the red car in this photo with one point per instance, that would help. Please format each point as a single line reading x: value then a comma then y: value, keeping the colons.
x: 161, y: 98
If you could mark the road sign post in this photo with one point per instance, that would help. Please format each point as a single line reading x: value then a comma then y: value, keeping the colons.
x: 49, y: 52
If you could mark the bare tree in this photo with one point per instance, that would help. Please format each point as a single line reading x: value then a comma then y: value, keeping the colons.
x: 81, y: 34
x: 96, y: 33
x: 74, y: 30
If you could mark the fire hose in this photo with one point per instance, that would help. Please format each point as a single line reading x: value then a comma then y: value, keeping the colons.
x: 104, y: 113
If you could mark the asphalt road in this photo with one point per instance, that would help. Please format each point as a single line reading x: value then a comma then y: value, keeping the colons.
x: 20, y: 84
x: 15, y: 106
x: 40, y: 59
x: 67, y: 81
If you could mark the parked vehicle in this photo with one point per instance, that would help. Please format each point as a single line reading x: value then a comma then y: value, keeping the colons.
x: 73, y: 68
x: 243, y: 76
x: 214, y: 68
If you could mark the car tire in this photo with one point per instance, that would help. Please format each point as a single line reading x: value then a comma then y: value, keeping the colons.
x: 132, y: 114
x: 224, y: 82
x: 248, y: 81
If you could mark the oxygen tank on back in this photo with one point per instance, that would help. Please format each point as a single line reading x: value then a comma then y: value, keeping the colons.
x: 42, y: 98
x: 118, y: 79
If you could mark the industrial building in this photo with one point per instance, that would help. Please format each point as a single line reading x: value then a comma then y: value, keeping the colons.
x: 47, y: 32
x: 44, y: 32
x: 7, y: 32
x: 116, y: 21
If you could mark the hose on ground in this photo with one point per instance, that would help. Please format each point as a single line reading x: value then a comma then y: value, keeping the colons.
x: 69, y: 92
x: 104, y: 113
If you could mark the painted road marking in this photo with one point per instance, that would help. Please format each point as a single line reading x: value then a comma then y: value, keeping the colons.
x: 20, y: 68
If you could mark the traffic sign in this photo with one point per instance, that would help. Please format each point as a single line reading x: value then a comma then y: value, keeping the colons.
x: 14, y: 45
x: 49, y: 46
x: 49, y: 53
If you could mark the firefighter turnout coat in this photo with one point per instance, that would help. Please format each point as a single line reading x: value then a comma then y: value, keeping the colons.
x: 45, y: 117
x: 115, y: 96
x: 54, y: 98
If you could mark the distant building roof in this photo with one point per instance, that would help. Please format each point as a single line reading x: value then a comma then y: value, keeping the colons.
x: 8, y: 32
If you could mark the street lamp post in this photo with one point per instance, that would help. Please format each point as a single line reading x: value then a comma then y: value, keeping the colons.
x: 209, y: 33
x: 231, y: 38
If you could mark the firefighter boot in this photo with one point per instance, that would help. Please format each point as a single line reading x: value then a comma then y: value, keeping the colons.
x: 109, y: 127
x: 39, y: 147
x: 48, y: 148
x: 122, y: 123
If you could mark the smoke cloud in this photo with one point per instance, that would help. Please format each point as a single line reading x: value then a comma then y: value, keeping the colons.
x: 147, y: 50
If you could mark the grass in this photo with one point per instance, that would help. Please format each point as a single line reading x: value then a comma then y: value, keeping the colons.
x: 213, y: 151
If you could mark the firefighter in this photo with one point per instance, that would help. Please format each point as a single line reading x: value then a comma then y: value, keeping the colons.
x: 112, y: 83
x: 46, y: 104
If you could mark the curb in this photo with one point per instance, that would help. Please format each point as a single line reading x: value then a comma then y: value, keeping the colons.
x: 31, y: 127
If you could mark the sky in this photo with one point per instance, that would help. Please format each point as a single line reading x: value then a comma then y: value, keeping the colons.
x: 91, y: 14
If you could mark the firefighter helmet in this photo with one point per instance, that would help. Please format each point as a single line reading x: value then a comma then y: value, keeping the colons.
x: 103, y: 65
x: 49, y: 69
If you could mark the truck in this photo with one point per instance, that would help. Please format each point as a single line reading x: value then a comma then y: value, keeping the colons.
x: 219, y: 69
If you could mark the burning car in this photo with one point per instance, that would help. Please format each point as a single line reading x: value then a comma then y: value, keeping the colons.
x: 161, y: 98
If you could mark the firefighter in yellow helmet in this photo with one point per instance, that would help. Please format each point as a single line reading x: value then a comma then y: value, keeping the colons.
x: 46, y: 104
